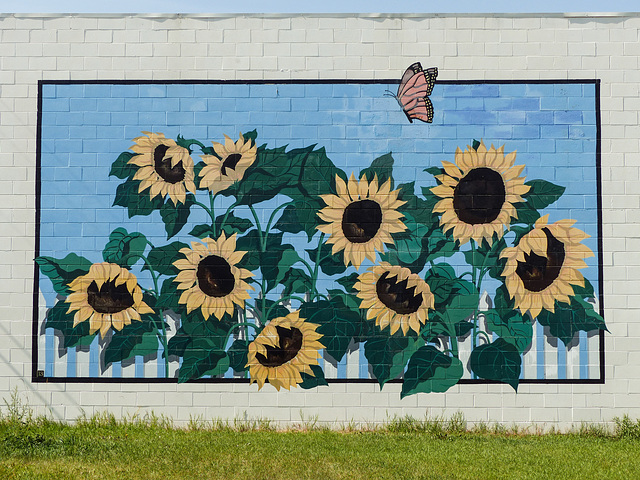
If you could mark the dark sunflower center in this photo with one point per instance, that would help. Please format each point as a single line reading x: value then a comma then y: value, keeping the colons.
x: 230, y: 162
x: 361, y: 221
x: 396, y: 296
x: 163, y: 166
x: 537, y: 272
x: 215, y: 277
x: 479, y: 196
x: 109, y: 298
x: 290, y: 345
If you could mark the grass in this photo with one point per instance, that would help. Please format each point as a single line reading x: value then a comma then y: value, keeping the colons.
x: 151, y: 448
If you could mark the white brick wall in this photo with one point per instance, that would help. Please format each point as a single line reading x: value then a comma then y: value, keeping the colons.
x: 502, y: 47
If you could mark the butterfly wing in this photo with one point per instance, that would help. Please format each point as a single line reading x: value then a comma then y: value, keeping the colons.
x: 421, y: 109
x: 413, y: 93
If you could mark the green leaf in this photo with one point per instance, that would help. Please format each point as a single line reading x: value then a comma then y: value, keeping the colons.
x: 161, y: 258
x: 570, y: 318
x: 389, y: 354
x: 542, y: 193
x: 136, y: 203
x: 176, y: 216
x: 430, y: 370
x: 463, y: 327
x: 121, y: 167
x: 178, y: 343
x: 382, y: 167
x: 202, y: 231
x: 58, y: 319
x: 198, y: 361
x: 525, y: 213
x: 438, y: 244
x: 420, y: 210
x: 301, y: 216
x: 61, y: 272
x: 348, y: 281
x: 338, y: 323
x: 252, y: 135
x: 330, y: 264
x: 475, y: 144
x: 138, y: 338
x: 315, y: 380
x: 488, y: 256
x: 460, y: 307
x: 276, y: 311
x: 276, y: 261
x: 498, y: 361
x: 513, y: 328
x: 272, y: 171
x: 585, y: 291
x: 250, y: 243
x: 233, y: 224
x: 169, y: 296
x: 296, y: 281
x: 434, y: 170
x: 123, y: 248
x: 408, y: 245
x: 237, y: 353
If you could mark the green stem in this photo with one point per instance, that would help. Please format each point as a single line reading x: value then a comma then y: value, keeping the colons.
x: 226, y: 214
x: 241, y: 324
x: 165, y: 346
x: 284, y: 299
x: 484, y: 334
x: 473, y: 279
x: 314, y: 277
x: 193, y: 141
x: 259, y: 228
x: 273, y: 214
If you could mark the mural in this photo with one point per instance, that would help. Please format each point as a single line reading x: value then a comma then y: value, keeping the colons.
x: 208, y: 253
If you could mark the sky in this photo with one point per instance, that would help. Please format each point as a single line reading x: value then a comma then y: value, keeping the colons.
x: 324, y: 6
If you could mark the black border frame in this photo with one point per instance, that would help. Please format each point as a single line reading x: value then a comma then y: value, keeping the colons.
x: 128, y: 380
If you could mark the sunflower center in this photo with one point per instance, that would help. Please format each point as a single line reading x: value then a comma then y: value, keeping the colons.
x: 361, y: 221
x: 479, y: 196
x: 396, y: 296
x: 537, y: 272
x: 215, y: 277
x: 109, y: 298
x: 230, y: 162
x: 290, y: 345
x: 163, y: 166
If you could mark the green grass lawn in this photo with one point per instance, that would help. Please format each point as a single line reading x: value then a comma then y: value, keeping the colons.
x: 103, y: 448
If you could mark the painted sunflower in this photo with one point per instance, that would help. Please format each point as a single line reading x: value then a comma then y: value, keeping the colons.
x: 395, y: 297
x: 210, y: 279
x: 229, y: 166
x: 108, y: 295
x: 478, y: 193
x: 285, y: 348
x: 362, y: 217
x: 544, y: 265
x: 164, y: 168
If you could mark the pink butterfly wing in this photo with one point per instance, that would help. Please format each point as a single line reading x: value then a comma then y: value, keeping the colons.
x: 415, y: 87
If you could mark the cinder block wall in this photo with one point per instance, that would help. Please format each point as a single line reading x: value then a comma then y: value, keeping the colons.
x: 313, y: 47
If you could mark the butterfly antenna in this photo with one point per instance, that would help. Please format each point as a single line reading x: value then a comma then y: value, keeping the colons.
x: 389, y: 93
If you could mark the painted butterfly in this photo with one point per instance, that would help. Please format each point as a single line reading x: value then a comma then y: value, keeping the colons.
x: 413, y: 93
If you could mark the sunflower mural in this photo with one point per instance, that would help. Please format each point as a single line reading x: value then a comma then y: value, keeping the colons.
x: 290, y: 263
x: 210, y: 279
x: 287, y: 347
x: 477, y: 193
x: 361, y: 218
x: 108, y: 296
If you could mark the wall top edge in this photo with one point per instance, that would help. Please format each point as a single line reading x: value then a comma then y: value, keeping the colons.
x: 324, y: 15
